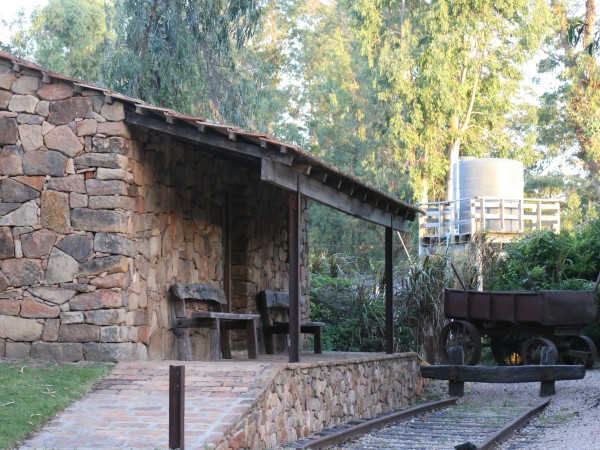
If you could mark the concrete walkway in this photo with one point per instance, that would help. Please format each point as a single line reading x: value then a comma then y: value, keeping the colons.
x: 130, y: 407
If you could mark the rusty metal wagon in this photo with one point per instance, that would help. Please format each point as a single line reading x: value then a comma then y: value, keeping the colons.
x: 516, y: 325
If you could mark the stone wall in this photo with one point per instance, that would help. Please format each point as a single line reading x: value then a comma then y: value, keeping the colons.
x: 98, y: 218
x: 306, y: 398
x: 65, y: 223
x: 187, y: 195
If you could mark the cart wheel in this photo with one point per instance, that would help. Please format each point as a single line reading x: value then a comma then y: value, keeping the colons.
x: 581, y: 351
x: 506, y: 349
x: 465, y: 334
x: 532, y: 350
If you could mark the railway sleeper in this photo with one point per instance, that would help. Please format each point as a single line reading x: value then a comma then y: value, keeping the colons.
x: 457, y: 375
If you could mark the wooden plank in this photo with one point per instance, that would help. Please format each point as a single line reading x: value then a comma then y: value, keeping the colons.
x: 274, y: 299
x: 226, y: 316
x: 297, y: 182
x: 502, y: 374
x: 198, y: 292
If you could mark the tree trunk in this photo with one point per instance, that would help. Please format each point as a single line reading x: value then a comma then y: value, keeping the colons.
x: 453, y: 155
x: 593, y: 167
x: 590, y: 21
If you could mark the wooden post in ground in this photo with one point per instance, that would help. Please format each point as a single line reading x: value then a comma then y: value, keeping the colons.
x: 547, y: 358
x: 176, y: 407
x: 456, y: 358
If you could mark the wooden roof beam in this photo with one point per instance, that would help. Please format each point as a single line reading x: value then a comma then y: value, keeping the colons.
x: 239, y: 149
x: 292, y: 180
x: 304, y: 168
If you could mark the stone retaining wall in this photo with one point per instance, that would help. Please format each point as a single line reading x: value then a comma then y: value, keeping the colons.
x: 306, y: 398
x: 98, y: 218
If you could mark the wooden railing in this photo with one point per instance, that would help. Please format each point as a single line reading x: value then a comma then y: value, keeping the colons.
x: 458, y: 220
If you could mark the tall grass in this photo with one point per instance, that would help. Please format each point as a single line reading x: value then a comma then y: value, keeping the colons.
x: 352, y: 302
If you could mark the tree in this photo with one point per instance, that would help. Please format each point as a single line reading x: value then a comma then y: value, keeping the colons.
x: 67, y: 36
x: 180, y: 53
x: 448, y: 75
x: 195, y: 56
x: 570, y: 116
x: 334, y: 102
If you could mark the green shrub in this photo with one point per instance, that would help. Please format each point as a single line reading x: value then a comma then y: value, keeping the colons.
x: 352, y: 305
x: 545, y: 260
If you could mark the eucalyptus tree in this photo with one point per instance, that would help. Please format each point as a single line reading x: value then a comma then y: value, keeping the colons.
x: 68, y: 36
x: 180, y: 53
x: 448, y: 73
x: 570, y: 117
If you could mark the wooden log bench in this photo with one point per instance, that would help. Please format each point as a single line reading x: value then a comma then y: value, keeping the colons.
x: 218, y: 322
x: 272, y: 303
x: 458, y: 374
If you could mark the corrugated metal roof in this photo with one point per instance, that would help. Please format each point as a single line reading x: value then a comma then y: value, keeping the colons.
x: 327, y: 173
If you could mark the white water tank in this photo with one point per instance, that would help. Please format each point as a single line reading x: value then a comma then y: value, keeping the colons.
x: 488, y: 177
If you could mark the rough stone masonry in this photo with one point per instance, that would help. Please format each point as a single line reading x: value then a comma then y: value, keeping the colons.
x: 98, y: 218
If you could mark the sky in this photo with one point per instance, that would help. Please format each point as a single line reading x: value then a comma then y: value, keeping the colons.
x: 10, y: 8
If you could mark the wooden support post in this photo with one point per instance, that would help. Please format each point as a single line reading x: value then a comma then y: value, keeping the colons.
x: 547, y: 358
x: 294, y: 267
x: 389, y: 292
x: 176, y: 407
x: 456, y: 358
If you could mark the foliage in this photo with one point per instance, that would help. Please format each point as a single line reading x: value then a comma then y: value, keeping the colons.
x: 332, y: 232
x: 448, y: 75
x: 193, y: 56
x: 68, y: 36
x: 352, y: 306
x: 179, y: 53
x: 32, y: 393
x: 570, y: 114
x: 547, y: 260
x: 421, y: 301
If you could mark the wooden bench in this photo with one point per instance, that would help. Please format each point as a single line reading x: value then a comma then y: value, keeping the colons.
x: 280, y: 301
x: 218, y: 322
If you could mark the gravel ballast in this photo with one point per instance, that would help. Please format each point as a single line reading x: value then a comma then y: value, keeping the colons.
x: 570, y: 421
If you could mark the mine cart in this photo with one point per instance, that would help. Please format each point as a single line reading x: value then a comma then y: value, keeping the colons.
x: 516, y: 325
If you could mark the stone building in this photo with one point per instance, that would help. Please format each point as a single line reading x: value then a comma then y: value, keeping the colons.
x: 106, y: 201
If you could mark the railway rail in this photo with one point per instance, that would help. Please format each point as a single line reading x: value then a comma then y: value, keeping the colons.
x: 435, y: 425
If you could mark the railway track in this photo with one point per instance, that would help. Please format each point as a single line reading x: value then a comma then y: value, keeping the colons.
x: 436, y: 425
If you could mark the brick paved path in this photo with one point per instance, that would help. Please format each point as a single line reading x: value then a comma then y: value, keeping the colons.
x: 130, y: 407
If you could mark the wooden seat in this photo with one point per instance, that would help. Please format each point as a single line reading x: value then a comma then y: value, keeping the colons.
x: 271, y: 300
x: 218, y: 322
